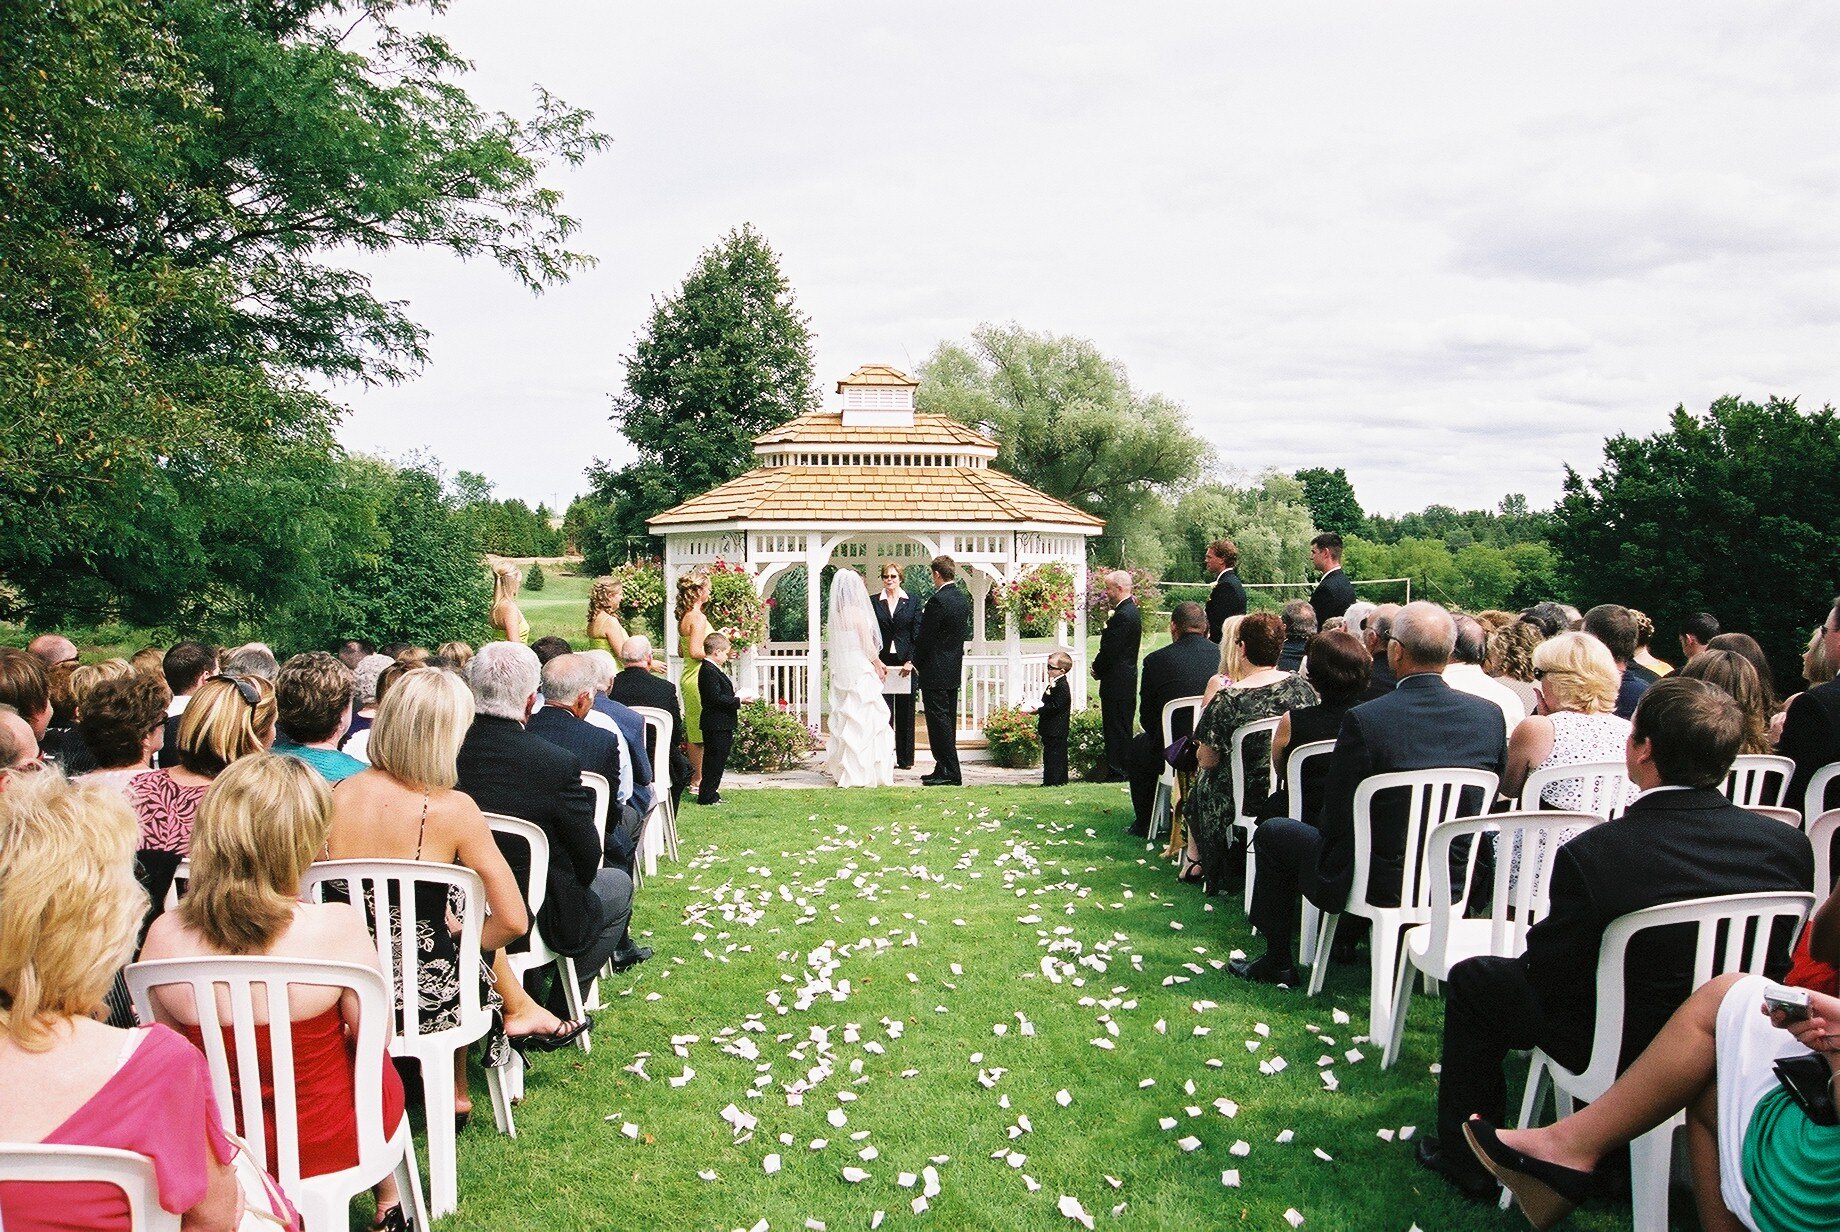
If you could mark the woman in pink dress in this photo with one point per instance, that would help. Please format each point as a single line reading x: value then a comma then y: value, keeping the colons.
x: 69, y: 909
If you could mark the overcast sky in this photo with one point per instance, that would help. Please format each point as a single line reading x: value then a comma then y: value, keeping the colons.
x: 1449, y: 247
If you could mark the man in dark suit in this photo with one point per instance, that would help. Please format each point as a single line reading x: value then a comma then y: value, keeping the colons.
x: 1180, y: 669
x: 1228, y: 597
x: 638, y: 685
x: 1115, y: 668
x: 506, y: 769
x: 1679, y: 839
x: 1811, y: 729
x: 897, y: 616
x: 635, y: 791
x: 568, y: 698
x: 1378, y: 630
x: 1615, y: 626
x: 939, y: 663
x: 1335, y: 592
x: 1299, y: 627
x: 1423, y: 724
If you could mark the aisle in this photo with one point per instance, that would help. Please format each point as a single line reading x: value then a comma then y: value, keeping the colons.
x: 956, y: 1009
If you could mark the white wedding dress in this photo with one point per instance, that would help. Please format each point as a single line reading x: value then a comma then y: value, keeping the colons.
x: 861, y: 748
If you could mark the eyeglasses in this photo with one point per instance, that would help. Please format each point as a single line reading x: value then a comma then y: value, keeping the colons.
x: 248, y: 692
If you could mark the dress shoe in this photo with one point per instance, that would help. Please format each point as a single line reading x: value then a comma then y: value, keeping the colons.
x: 629, y: 956
x: 1265, y: 970
x: 931, y: 779
x: 904, y: 765
x: 1468, y: 1177
x: 1138, y: 829
x: 1547, y: 1192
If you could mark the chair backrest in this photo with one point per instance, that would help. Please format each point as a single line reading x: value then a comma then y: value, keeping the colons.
x: 1776, y: 812
x: 1758, y: 778
x: 536, y: 889
x: 1822, y: 834
x: 1604, y: 787
x: 1236, y: 764
x: 175, y: 889
x: 658, y: 737
x: 1436, y: 796
x: 1733, y: 934
x: 603, y: 802
x: 1521, y: 893
x: 1814, y: 801
x: 224, y: 992
x: 1174, y: 707
x: 132, y: 1174
x: 385, y: 890
x: 1293, y: 771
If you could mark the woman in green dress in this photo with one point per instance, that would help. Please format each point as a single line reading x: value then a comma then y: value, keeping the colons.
x: 692, y: 628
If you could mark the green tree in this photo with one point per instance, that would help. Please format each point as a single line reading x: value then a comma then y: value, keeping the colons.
x: 427, y: 581
x: 1068, y: 422
x: 1733, y: 512
x: 721, y: 361
x: 1267, y: 521
x: 1331, y: 499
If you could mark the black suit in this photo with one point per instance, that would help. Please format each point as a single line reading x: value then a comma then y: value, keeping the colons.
x: 1115, y: 668
x: 1053, y: 721
x: 1291, y: 657
x: 1332, y: 595
x: 635, y: 686
x: 720, y: 706
x: 897, y: 630
x: 1669, y: 846
x: 1811, y: 735
x: 939, y: 664
x: 1226, y: 600
x: 1381, y: 681
x: 1423, y: 724
x: 1180, y: 669
x: 598, y: 751
x: 508, y: 770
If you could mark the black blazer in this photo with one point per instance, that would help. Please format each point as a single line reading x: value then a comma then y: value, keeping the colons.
x: 1116, y: 663
x: 1180, y: 669
x: 1332, y: 595
x: 939, y: 643
x: 720, y: 705
x: 598, y: 751
x: 1055, y: 717
x: 509, y: 770
x: 1291, y: 657
x: 1811, y: 735
x: 1226, y: 600
x: 637, y: 687
x: 1667, y: 847
x: 1423, y: 724
x: 898, y: 627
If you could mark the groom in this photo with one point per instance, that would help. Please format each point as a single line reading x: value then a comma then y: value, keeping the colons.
x: 939, y: 656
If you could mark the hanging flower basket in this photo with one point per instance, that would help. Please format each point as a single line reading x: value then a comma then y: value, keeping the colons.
x: 734, y: 607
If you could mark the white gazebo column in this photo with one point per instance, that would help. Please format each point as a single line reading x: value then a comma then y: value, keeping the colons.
x: 979, y: 581
x: 1079, y: 673
x: 671, y: 572
x: 1012, y: 645
x: 816, y: 552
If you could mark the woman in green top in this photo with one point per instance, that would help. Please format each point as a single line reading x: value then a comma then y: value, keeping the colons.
x: 1759, y: 1161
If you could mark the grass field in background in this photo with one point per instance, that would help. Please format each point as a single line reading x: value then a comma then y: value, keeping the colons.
x: 889, y: 946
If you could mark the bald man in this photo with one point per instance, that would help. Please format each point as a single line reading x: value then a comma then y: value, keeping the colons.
x: 53, y: 648
x: 1115, y: 668
x: 18, y: 746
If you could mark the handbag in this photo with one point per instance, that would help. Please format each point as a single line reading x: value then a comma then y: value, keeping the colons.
x: 1181, y: 755
x: 265, y: 1207
x: 1809, y: 1081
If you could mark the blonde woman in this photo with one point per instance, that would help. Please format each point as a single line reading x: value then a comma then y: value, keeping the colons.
x: 604, y: 627
x: 405, y: 808
x: 1576, y: 682
x: 229, y: 717
x: 507, y: 617
x: 261, y: 824
x: 1233, y: 665
x: 454, y: 655
x: 1817, y: 669
x: 69, y: 910
x: 693, y: 628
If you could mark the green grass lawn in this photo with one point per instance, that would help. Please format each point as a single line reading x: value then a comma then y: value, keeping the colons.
x: 886, y: 949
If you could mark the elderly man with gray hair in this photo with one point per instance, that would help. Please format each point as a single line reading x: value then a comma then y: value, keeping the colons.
x: 1465, y: 672
x: 507, y: 769
x: 1423, y: 724
x: 569, y: 683
x: 636, y: 686
x: 1299, y: 627
x: 636, y: 763
x: 1115, y: 668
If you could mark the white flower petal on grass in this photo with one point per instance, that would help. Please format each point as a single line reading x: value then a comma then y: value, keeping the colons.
x: 1071, y: 1208
x: 875, y: 1220
x: 1323, y: 1155
x: 1030, y: 1183
x: 770, y: 1164
x: 1190, y: 1143
x: 1230, y: 1178
x: 1162, y: 1027
x: 708, y: 1174
x: 907, y: 1180
x: 814, y: 1225
x: 1285, y: 1135
x: 630, y: 1130
x: 1015, y: 1159
x: 1103, y: 1042
x: 1242, y: 1148
x: 1063, y: 1097
x: 837, y: 1118
x: 1406, y: 1132
x: 1353, y: 1055
x: 930, y: 1176
x: 1385, y: 1135
x: 919, y: 1204
x: 868, y: 1154
x: 1294, y: 1217
x: 855, y: 1175
x: 1166, y: 1123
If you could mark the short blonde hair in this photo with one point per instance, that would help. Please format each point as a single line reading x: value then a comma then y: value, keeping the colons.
x: 1576, y: 673
x: 258, y: 827
x: 421, y: 724
x: 1060, y: 661
x: 1232, y: 654
x: 220, y: 724
x: 69, y: 903
x: 457, y: 654
x: 90, y: 675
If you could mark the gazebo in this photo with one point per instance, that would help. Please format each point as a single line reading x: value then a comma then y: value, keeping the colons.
x: 870, y: 483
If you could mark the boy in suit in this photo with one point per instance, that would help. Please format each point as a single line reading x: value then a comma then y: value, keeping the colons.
x: 1053, y: 718
x: 720, y: 706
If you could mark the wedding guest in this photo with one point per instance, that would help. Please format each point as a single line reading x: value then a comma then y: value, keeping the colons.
x: 1811, y: 724
x: 568, y: 683
x: 507, y: 617
x: 365, y: 696
x: 252, y: 659
x: 1232, y: 663
x: 1818, y: 668
x: 1334, y: 592
x: 1745, y: 647
x: 1115, y: 668
x: 59, y: 740
x: 52, y: 649
x: 69, y: 910
x: 313, y: 700
x: 1611, y: 624
x: 454, y: 656
x: 1576, y: 722
x: 635, y: 786
x: 939, y: 659
x: 185, y: 666
x: 354, y: 651
x: 1053, y: 719
x: 1510, y: 660
x: 1227, y: 596
x: 1697, y: 632
x: 148, y: 659
x: 1466, y: 674
x: 1299, y: 627
x: 604, y: 625
x: 26, y: 687
x: 1643, y: 662
x: 1377, y: 628
x: 1733, y: 673
x: 122, y: 725
x: 19, y: 755
x: 637, y: 685
x: 897, y: 619
x: 1175, y: 671
x: 1338, y: 665
x: 692, y: 628
x: 720, y: 706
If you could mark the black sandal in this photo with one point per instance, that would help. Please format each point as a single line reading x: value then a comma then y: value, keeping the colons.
x: 391, y: 1220
x: 1547, y: 1192
x: 552, y: 1041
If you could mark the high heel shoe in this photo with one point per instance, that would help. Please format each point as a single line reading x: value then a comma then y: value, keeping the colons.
x: 1547, y: 1192
x: 1188, y: 869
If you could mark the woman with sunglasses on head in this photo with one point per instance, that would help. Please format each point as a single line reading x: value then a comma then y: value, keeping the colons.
x: 228, y: 717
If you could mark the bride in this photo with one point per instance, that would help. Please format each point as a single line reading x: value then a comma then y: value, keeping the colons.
x: 861, y: 752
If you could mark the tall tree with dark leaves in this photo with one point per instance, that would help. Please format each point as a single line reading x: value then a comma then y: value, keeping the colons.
x: 1331, y: 499
x: 722, y: 360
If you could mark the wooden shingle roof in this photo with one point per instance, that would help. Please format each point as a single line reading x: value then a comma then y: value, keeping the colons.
x: 826, y: 428
x: 877, y: 374
x: 918, y: 494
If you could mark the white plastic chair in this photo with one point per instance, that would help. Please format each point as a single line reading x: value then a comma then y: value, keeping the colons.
x: 1821, y: 834
x: 1293, y: 777
x: 324, y: 1202
x: 175, y: 889
x: 391, y: 885
x: 127, y: 1171
x: 1436, y: 796
x: 1758, y: 778
x: 1163, y: 805
x: 1236, y: 771
x: 603, y: 803
x: 1451, y: 937
x: 536, y: 892
x: 1605, y: 786
x: 1733, y: 934
x: 1814, y: 801
x: 1776, y: 812
x: 660, y: 832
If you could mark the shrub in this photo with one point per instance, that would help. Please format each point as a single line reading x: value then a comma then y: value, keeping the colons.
x: 1012, y: 738
x: 534, y: 580
x: 1086, y: 743
x: 768, y: 740
x: 1144, y: 589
